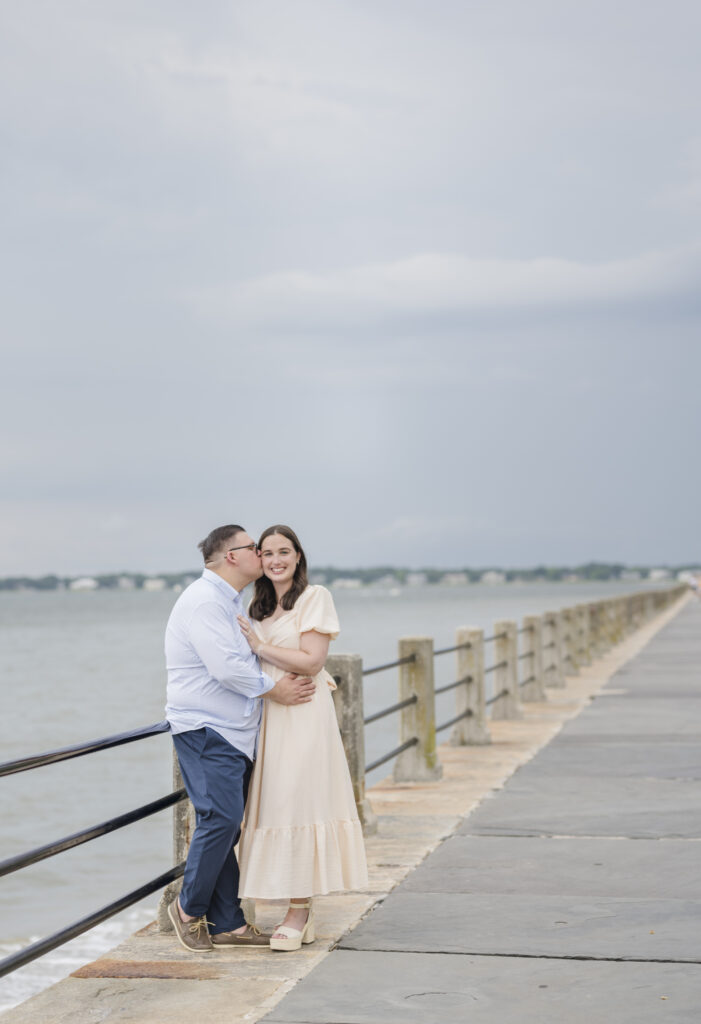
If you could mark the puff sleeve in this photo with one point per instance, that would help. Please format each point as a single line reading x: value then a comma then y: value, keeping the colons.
x: 317, y: 611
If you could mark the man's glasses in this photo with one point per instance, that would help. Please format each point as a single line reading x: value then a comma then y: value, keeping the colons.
x: 243, y: 547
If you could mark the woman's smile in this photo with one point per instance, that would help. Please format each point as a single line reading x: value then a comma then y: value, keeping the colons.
x: 279, y: 558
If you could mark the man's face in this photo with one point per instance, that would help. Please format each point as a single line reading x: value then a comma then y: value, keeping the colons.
x: 243, y: 549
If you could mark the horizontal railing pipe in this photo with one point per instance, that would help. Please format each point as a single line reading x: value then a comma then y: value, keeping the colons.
x: 23, y: 860
x: 25, y: 764
x: 37, y: 949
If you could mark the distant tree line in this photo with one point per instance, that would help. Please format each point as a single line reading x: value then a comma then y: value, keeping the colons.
x: 598, y: 571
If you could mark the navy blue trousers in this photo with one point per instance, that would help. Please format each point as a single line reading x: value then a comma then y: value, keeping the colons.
x: 216, y: 777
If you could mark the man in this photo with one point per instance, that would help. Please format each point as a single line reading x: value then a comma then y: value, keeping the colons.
x: 214, y: 709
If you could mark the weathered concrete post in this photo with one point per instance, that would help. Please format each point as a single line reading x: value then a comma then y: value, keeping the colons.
x: 583, y: 634
x: 534, y: 689
x: 619, y: 630
x: 571, y: 657
x: 506, y: 674
x: 610, y: 619
x: 469, y: 699
x: 347, y: 671
x: 552, y: 650
x: 183, y: 829
x: 419, y: 763
x: 595, y: 629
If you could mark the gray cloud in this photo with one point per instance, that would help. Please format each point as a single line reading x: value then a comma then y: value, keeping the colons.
x: 422, y: 282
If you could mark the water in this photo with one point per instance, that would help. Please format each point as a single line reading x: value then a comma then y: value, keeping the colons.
x: 76, y: 666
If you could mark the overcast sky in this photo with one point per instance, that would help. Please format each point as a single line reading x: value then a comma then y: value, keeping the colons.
x: 420, y: 279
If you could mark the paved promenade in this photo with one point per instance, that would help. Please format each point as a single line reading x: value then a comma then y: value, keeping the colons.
x: 551, y: 876
x: 573, y: 895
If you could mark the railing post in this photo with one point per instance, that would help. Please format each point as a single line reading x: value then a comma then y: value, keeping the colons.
x: 569, y: 642
x: 183, y: 829
x: 347, y: 671
x: 594, y: 629
x: 610, y: 620
x: 506, y: 675
x: 420, y: 762
x: 583, y: 633
x: 552, y: 650
x: 469, y: 699
x: 534, y: 689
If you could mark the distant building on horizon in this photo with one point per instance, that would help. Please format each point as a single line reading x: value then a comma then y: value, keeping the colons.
x: 492, y: 577
x: 154, y: 583
x: 84, y: 583
x: 454, y: 579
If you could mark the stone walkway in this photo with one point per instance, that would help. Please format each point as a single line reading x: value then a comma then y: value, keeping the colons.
x: 483, y: 915
x: 573, y: 895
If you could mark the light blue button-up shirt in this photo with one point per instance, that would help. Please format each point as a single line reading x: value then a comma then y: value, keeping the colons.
x: 214, y: 678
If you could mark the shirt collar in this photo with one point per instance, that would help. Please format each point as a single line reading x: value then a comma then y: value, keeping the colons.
x: 230, y: 592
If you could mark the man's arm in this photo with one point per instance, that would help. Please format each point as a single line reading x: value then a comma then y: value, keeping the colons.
x: 211, y: 634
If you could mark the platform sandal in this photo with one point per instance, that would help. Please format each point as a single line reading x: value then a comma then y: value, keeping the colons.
x: 293, y: 936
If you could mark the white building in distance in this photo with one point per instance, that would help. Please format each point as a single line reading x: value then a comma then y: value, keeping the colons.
x: 84, y: 583
x: 493, y: 576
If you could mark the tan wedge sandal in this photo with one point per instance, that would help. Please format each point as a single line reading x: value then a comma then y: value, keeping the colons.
x: 293, y: 936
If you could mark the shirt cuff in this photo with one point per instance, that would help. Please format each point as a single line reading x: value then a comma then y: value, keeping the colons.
x: 266, y: 682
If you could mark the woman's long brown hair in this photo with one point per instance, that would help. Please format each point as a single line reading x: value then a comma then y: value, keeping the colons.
x: 264, y: 598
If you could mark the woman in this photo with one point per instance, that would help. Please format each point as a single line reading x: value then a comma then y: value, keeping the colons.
x: 301, y: 835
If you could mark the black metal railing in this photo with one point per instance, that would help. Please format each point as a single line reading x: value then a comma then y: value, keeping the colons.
x: 391, y: 710
x: 39, y: 853
x: 410, y: 658
x: 24, y: 764
x: 449, y: 650
x: 452, y: 721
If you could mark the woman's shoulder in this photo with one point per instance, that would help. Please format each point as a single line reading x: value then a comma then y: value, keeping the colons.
x: 313, y: 594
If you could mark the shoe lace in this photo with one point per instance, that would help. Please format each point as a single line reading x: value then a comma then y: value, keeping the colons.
x: 199, y: 924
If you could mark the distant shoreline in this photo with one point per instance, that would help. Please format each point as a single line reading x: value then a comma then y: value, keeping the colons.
x: 377, y: 576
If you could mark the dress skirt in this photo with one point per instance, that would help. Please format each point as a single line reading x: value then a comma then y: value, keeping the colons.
x: 301, y: 835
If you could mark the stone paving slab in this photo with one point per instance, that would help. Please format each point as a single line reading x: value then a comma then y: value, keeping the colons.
x: 641, y: 716
x: 616, y: 756
x: 643, y: 868
x: 401, y: 988
x: 633, y: 807
x: 513, y: 924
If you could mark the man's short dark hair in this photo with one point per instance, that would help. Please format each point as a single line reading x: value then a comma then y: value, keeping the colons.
x: 217, y: 540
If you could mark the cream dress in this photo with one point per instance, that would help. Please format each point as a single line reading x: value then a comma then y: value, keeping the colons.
x: 301, y: 835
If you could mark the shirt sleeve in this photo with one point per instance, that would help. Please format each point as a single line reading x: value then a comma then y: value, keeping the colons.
x: 212, y: 636
x: 318, y: 612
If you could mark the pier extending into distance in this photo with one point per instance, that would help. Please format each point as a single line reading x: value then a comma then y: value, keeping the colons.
x: 571, y: 895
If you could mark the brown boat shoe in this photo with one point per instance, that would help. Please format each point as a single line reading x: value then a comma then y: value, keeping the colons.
x: 194, y: 934
x: 251, y: 937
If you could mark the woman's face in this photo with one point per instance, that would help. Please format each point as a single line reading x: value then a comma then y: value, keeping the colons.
x: 279, y: 558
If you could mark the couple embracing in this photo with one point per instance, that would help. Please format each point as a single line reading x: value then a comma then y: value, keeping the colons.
x: 250, y: 709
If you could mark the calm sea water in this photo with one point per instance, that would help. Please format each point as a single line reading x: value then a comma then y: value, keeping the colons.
x: 77, y: 666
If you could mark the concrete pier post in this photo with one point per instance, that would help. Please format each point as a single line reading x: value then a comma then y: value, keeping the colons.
x: 506, y: 673
x: 583, y: 634
x: 347, y: 671
x: 612, y: 623
x: 469, y: 699
x: 419, y: 763
x: 595, y: 645
x: 552, y: 651
x: 183, y: 829
x: 534, y: 689
x: 571, y: 627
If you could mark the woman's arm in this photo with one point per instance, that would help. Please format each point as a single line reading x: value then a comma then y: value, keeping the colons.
x: 308, y: 660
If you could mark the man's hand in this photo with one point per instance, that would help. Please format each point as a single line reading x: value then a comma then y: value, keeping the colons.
x: 292, y: 689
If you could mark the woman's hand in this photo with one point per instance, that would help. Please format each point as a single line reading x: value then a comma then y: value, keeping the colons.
x: 249, y: 633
